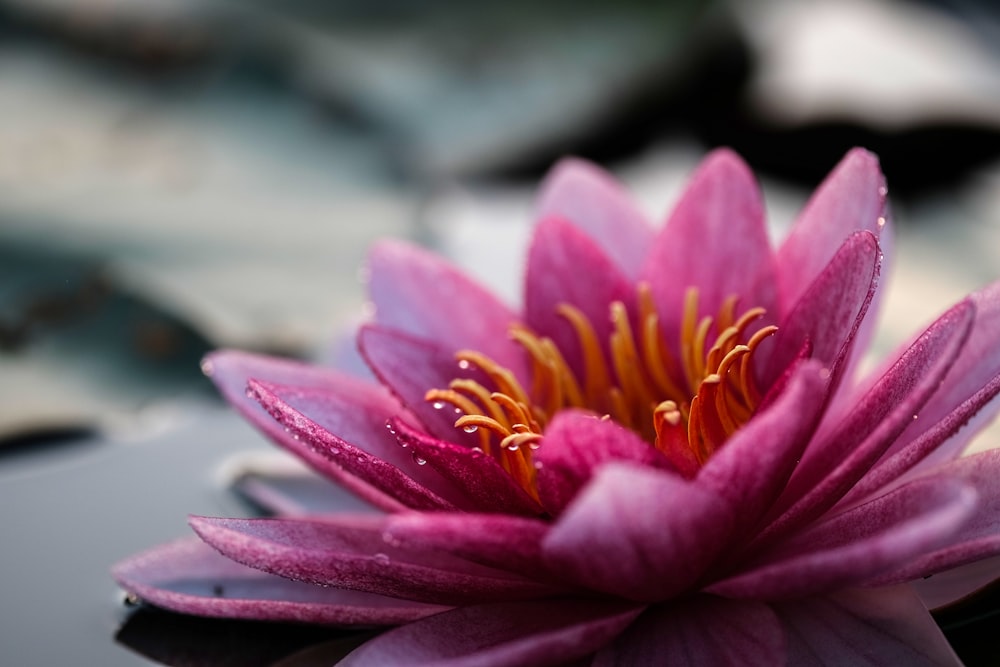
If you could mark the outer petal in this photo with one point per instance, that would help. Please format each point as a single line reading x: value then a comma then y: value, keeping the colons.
x: 190, y: 577
x: 420, y: 293
x: 594, y: 201
x: 231, y: 371
x: 702, y: 630
x: 951, y: 586
x: 576, y: 445
x: 715, y: 240
x: 851, y: 548
x: 831, y: 310
x: 566, y: 267
x: 316, y: 419
x: 352, y: 553
x: 851, y: 199
x: 887, y: 626
x: 639, y: 533
x: 548, y: 632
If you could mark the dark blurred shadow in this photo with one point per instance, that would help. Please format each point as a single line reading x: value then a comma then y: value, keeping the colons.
x: 972, y: 627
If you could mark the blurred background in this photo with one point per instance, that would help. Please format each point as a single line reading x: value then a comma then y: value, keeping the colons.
x: 179, y: 176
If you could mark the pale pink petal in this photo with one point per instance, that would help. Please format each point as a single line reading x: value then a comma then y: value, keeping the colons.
x: 594, y: 201
x: 954, y: 585
x: 352, y: 552
x: 576, y: 444
x: 639, y: 533
x: 498, y: 541
x: 885, y: 627
x: 715, y: 240
x: 366, y: 451
x: 289, y: 493
x: 485, y: 485
x: 548, y: 632
x: 698, y: 631
x: 418, y: 292
x: 843, y: 454
x: 851, y: 199
x: 231, y: 371
x: 566, y: 267
x: 831, y: 310
x: 190, y: 577
x: 752, y: 467
x: 853, y: 547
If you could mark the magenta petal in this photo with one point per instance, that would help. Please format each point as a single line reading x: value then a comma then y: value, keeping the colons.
x: 566, y: 267
x: 594, y: 201
x: 503, y: 542
x: 851, y: 199
x: 830, y: 312
x: 190, y: 577
x: 951, y: 586
x: 639, y: 533
x: 752, y: 467
x: 702, y: 630
x: 549, y: 632
x: 486, y: 486
x: 344, y: 441
x: 231, y: 371
x: 576, y: 444
x: 418, y: 292
x: 352, y: 552
x: 853, y: 547
x: 715, y: 240
x: 844, y: 453
x: 883, y: 627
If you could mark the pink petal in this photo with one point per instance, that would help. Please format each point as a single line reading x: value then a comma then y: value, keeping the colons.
x: 594, y: 201
x: 410, y: 367
x: 420, y: 293
x: 346, y: 442
x: 231, y: 371
x: 351, y: 552
x: 702, y: 630
x: 549, y: 632
x: 880, y: 627
x: 190, y: 577
x: 576, y: 444
x: 851, y: 199
x: 296, y: 493
x: 502, y: 542
x: 952, y: 586
x: 979, y: 537
x: 831, y: 310
x: 853, y: 547
x: 843, y: 454
x: 715, y: 240
x: 753, y: 466
x: 639, y: 533
x: 485, y: 485
x: 566, y: 267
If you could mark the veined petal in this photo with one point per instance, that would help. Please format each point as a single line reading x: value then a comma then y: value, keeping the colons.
x: 639, y: 533
x: 855, y: 546
x: 851, y: 199
x: 715, y: 240
x: 831, y: 310
x: 190, y: 577
x: 546, y: 632
x: 702, y: 630
x: 590, y: 198
x: 352, y: 552
x: 576, y: 444
x: 885, y: 627
x: 316, y: 419
x: 420, y: 293
x: 565, y: 266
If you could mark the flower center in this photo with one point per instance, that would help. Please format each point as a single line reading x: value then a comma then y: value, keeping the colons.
x: 686, y: 404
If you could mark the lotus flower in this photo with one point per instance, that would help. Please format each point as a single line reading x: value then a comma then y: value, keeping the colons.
x: 666, y: 457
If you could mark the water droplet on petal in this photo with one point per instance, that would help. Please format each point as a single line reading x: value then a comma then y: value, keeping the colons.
x: 464, y: 364
x: 381, y: 559
x: 418, y: 460
x: 512, y: 448
x: 437, y: 405
x: 470, y: 428
x: 389, y: 428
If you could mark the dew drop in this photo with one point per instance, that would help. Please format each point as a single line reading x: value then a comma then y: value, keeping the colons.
x: 132, y: 600
x: 381, y: 559
x: 207, y: 367
x: 471, y: 428
x: 464, y: 364
x: 881, y: 222
x: 437, y: 405
x: 334, y: 451
x: 295, y: 436
x: 534, y: 445
x: 389, y: 428
x: 458, y: 411
x: 512, y: 448
x: 417, y: 459
x: 538, y: 465
x: 478, y: 450
x: 360, y: 458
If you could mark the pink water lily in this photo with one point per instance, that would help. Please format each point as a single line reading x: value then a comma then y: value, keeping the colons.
x: 665, y: 457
